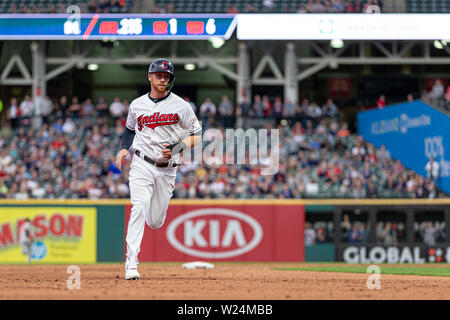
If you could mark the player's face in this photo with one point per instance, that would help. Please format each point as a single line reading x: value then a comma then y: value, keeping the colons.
x: 159, y: 81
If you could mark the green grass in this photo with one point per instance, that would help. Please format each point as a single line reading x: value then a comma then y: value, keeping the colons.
x: 400, y: 269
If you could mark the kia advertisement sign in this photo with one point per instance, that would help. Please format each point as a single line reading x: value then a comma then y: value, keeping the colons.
x: 226, y: 233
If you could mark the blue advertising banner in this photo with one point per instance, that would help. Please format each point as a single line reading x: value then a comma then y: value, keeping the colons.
x: 413, y: 133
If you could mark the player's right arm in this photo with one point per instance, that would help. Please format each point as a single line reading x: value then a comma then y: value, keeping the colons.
x: 127, y: 137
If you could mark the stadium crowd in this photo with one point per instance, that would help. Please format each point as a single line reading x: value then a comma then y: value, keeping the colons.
x: 72, y: 154
x: 274, y: 6
x: 91, y: 6
x: 386, y: 232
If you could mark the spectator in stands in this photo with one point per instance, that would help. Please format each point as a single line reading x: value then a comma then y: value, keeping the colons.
x: 192, y: 104
x: 410, y: 97
x: 268, y: 5
x: 103, y: 5
x: 381, y: 102
x: 101, y: 107
x: 27, y: 110
x: 117, y: 109
x: 447, y: 99
x: 310, y: 234
x: 169, y: 8
x: 13, y: 9
x: 13, y: 113
x: 52, y: 9
x: 312, y: 188
x: 314, y: 113
x: 378, y: 3
x: 266, y: 106
x: 371, y: 191
x: 301, y: 8
x: 437, y: 92
x: 74, y: 108
x: 46, y: 109
x: 343, y: 131
x: 383, y: 154
x: 257, y: 108
x: 358, y: 233
x: 112, y: 5
x: 386, y: 235
x: 226, y: 112
x: 428, y: 233
x: 87, y: 109
x: 358, y: 151
x: 432, y: 169
x: 207, y: 112
x: 156, y: 9
x: 68, y: 127
x: 245, y: 107
x: 277, y: 110
x: 432, y: 190
x: 63, y: 107
x: 92, y: 7
x: 233, y: 9
x: 321, y: 235
x: 62, y: 8
x: 289, y: 112
x: 250, y: 8
x: 337, y: 6
x: 317, y: 7
x: 329, y: 109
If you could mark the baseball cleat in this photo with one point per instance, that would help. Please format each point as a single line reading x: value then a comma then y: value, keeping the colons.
x: 132, y: 274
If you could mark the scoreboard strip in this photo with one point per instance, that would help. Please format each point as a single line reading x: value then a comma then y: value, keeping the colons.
x: 114, y: 26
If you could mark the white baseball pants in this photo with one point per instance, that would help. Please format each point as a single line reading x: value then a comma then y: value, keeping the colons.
x: 150, y: 191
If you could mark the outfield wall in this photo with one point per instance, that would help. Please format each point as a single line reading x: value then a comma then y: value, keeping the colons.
x: 85, y: 231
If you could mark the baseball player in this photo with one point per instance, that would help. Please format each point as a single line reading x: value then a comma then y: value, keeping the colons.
x: 160, y: 125
x: 26, y: 238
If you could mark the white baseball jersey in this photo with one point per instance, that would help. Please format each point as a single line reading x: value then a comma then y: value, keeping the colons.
x: 168, y: 120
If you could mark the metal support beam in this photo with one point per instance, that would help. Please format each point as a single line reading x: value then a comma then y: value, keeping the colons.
x: 243, y: 86
x: 39, y: 85
x: 368, y: 60
x: 138, y: 60
x: 222, y: 69
x: 6, y: 80
x: 290, y: 72
x: 410, y: 225
x: 312, y: 70
x: 382, y: 48
x: 60, y: 70
x: 267, y: 60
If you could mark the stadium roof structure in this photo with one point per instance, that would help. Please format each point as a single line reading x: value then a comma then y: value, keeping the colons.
x: 263, y: 44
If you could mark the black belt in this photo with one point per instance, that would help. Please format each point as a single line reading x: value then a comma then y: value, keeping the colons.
x: 153, y: 162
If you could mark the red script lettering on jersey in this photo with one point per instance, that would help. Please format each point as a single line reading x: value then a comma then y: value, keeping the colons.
x: 156, y: 120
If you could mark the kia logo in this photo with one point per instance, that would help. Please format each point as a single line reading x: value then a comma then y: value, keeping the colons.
x: 217, y: 242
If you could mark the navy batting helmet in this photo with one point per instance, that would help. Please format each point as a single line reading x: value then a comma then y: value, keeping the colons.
x: 163, y: 65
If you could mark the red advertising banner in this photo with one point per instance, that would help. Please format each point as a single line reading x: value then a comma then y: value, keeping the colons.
x: 339, y: 87
x: 249, y: 232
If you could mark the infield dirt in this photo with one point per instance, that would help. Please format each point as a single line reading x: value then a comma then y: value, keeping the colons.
x: 253, y: 281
